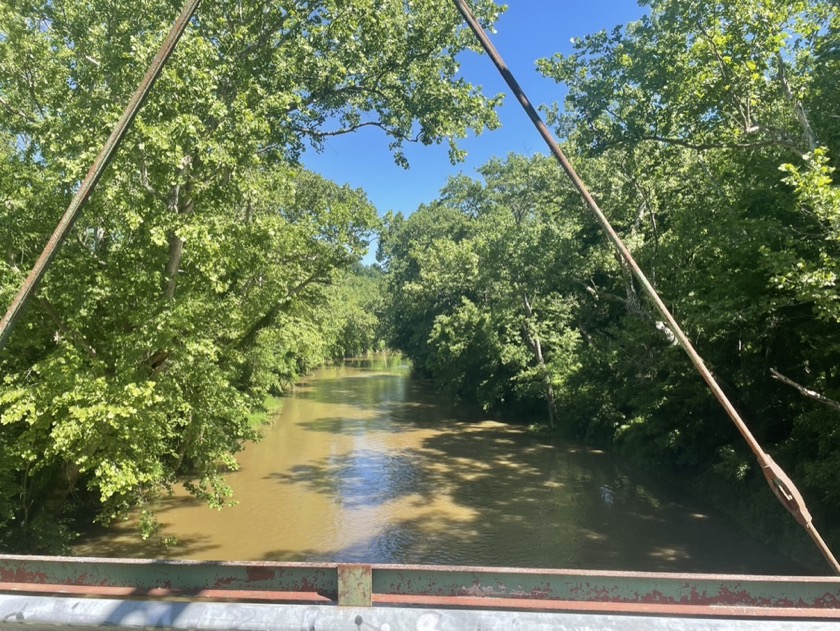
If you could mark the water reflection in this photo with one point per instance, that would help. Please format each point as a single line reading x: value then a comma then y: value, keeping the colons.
x: 369, y: 465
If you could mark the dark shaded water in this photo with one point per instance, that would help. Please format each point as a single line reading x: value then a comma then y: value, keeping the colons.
x: 364, y: 463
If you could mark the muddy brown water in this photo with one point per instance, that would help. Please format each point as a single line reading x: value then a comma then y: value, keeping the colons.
x: 365, y: 463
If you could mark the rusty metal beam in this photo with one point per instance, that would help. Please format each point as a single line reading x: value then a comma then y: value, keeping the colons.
x: 611, y: 592
x: 467, y: 588
x: 154, y: 577
x: 355, y: 585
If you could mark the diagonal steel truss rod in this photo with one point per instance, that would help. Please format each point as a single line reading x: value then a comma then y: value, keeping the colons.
x: 782, y: 486
x: 80, y: 199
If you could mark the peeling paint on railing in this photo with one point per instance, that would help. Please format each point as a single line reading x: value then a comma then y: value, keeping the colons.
x: 438, y: 587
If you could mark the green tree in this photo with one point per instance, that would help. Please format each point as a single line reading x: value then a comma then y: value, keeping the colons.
x: 354, y: 308
x: 484, y: 284
x: 694, y: 108
x: 703, y: 75
x: 196, y: 278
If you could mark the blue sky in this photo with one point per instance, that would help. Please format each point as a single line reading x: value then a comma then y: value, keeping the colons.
x: 527, y: 31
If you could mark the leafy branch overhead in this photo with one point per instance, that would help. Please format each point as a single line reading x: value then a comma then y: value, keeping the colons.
x: 701, y: 75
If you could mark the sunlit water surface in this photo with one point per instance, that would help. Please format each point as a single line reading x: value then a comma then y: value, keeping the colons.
x: 364, y: 463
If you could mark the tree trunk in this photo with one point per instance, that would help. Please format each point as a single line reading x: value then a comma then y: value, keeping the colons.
x: 533, y: 341
x: 806, y: 392
x: 632, y: 302
x: 798, y: 107
x: 179, y: 202
x: 176, y: 251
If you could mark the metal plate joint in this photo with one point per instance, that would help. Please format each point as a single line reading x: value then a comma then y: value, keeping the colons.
x: 355, y: 585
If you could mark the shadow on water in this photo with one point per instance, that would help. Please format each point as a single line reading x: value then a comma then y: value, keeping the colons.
x: 572, y: 507
x: 134, y: 547
x: 371, y: 466
x: 123, y: 539
x: 485, y: 493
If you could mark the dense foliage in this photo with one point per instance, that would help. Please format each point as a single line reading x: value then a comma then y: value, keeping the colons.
x: 708, y: 130
x: 199, y: 276
x: 355, y: 308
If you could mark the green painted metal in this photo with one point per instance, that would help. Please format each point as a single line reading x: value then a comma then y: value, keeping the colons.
x: 615, y: 587
x: 355, y: 586
x: 360, y: 586
x: 179, y: 576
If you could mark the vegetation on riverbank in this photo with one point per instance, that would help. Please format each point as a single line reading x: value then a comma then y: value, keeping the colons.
x: 261, y: 414
x: 708, y: 133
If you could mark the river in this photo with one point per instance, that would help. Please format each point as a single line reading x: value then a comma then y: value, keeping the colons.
x: 365, y: 463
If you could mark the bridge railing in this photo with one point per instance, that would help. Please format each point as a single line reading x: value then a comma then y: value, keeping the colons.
x: 370, y: 585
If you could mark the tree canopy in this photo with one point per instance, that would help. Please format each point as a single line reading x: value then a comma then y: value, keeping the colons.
x: 210, y: 269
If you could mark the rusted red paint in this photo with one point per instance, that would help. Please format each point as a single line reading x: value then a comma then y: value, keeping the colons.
x: 21, y: 575
x: 654, y: 597
x: 224, y: 581
x: 257, y: 574
x: 309, y: 586
x: 81, y: 579
x: 743, y: 597
x: 827, y: 602
x: 700, y: 594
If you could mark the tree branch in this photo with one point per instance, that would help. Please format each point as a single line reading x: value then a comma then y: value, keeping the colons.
x: 816, y: 396
x: 320, y: 135
x: 72, y: 333
x: 23, y: 115
x: 798, y: 107
x: 722, y: 145
x: 271, y: 315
